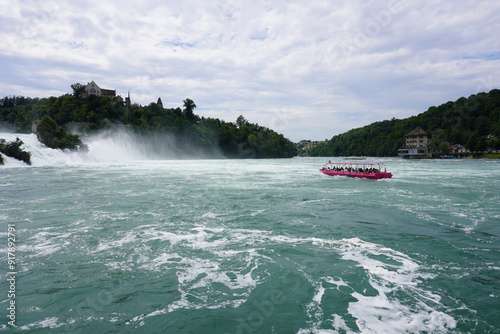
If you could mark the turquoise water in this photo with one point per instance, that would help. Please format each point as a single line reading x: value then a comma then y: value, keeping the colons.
x: 110, y: 243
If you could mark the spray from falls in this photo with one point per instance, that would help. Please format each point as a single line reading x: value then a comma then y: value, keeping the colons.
x: 116, y: 146
x: 106, y: 147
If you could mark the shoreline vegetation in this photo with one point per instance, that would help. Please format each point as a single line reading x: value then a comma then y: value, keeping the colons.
x: 472, y: 123
x: 489, y: 156
x: 60, y: 122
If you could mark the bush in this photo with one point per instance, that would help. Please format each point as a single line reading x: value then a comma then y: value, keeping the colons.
x: 54, y: 136
x: 13, y: 149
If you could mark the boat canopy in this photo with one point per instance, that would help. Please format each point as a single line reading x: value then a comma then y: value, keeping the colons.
x: 354, y: 163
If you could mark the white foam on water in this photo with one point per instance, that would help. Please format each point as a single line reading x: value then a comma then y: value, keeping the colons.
x: 200, y: 278
x: 313, y: 309
x: 12, y: 162
x: 115, y: 146
x: 384, y: 312
x: 200, y: 275
x: 204, y: 280
x: 51, y: 323
x: 40, y: 154
x: 116, y: 244
x: 336, y: 281
x: 339, y: 324
x: 44, y: 244
x: 196, y: 278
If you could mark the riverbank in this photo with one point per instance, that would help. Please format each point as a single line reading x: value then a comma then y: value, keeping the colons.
x: 489, y: 156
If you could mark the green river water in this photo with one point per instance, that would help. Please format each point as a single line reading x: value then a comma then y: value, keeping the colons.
x: 130, y: 245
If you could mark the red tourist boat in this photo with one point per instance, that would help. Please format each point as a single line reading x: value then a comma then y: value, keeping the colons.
x: 363, y: 170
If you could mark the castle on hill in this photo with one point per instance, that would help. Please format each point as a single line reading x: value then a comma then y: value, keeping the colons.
x: 93, y: 89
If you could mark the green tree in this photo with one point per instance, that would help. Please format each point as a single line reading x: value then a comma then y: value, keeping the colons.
x: 54, y: 136
x: 482, y: 145
x: 189, y: 106
x: 456, y: 137
x: 77, y: 89
x: 241, y: 121
x: 472, y: 142
x: 482, y: 126
x: 494, y: 144
x: 46, y: 131
x: 13, y: 149
x: 444, y: 148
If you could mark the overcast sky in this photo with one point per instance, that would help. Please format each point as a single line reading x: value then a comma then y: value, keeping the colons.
x: 308, y: 69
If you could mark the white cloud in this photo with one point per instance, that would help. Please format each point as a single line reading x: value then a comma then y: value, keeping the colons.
x: 310, y: 69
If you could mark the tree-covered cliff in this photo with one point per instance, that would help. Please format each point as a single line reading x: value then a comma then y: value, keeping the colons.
x: 186, y: 130
x: 467, y: 121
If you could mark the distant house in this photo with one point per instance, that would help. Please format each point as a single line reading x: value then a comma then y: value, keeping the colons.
x: 93, y: 89
x: 305, y: 145
x: 416, y: 145
x: 459, y: 149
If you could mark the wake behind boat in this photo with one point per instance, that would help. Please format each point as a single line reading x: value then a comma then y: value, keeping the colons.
x: 362, y: 170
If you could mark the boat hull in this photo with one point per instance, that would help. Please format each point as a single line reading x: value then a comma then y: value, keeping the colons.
x: 371, y: 176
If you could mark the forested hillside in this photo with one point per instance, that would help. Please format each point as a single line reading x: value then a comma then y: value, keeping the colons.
x: 186, y: 130
x: 467, y: 121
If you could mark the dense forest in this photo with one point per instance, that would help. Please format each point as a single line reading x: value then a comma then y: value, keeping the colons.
x: 178, y: 129
x: 472, y: 122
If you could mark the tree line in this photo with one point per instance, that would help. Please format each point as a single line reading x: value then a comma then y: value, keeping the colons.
x: 186, y: 130
x: 473, y: 122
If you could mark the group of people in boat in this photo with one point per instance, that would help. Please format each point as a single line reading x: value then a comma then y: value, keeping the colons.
x: 351, y: 169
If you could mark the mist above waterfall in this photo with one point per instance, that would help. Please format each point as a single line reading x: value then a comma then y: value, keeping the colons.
x: 124, y: 145
x: 117, y: 145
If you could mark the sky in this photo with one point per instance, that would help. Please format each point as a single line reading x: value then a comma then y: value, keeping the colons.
x: 307, y: 69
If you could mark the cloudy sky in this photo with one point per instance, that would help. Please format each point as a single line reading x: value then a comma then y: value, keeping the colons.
x: 308, y: 69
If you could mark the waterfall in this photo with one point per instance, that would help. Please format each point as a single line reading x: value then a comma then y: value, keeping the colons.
x: 118, y: 146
